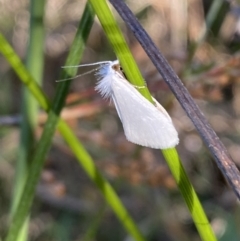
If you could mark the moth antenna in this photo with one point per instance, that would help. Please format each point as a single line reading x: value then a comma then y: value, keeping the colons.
x: 84, y: 65
x: 79, y: 75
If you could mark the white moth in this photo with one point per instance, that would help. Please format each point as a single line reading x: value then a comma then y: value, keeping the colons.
x: 144, y: 124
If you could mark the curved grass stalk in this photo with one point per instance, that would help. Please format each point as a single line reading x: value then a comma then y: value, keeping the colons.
x: 171, y: 156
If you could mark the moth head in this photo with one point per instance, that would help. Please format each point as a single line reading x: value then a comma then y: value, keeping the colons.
x: 117, y: 67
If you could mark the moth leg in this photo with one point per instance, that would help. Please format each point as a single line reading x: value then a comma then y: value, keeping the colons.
x: 139, y: 87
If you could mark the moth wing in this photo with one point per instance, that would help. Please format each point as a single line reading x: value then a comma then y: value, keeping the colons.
x: 143, y: 123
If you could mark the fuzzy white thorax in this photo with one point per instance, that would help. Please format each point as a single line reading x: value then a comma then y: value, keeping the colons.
x: 105, y: 76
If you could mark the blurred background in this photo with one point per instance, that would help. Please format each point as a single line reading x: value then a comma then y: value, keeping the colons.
x: 201, y: 40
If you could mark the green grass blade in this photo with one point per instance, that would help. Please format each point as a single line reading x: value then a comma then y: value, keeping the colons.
x: 34, y: 64
x: 189, y: 195
x: 23, y: 73
x: 119, y: 45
